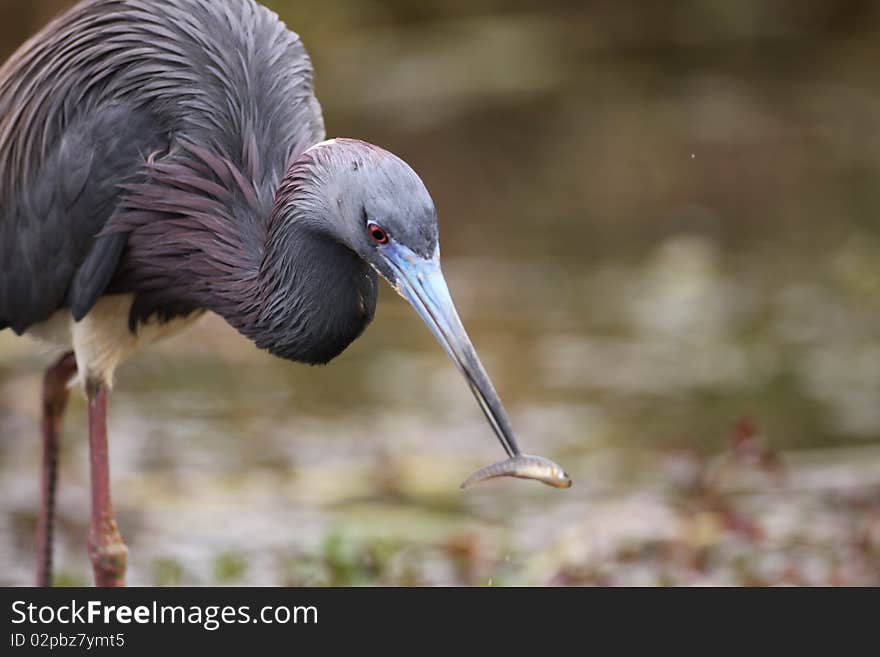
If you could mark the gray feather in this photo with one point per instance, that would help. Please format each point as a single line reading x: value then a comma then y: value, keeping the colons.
x: 100, y: 106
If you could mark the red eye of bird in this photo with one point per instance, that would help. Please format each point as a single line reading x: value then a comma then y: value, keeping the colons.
x: 377, y: 233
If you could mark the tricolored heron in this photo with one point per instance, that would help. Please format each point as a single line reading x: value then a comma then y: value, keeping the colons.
x: 161, y: 158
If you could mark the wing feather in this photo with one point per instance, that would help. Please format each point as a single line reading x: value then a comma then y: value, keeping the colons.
x: 220, y: 89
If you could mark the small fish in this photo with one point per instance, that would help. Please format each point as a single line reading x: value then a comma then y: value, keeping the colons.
x: 523, y: 466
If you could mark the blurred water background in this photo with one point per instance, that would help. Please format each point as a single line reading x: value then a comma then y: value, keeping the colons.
x: 660, y: 225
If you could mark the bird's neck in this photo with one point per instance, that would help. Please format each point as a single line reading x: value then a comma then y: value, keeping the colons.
x: 283, y: 282
x: 311, y: 296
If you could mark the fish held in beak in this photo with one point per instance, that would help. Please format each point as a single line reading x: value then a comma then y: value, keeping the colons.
x: 522, y: 466
x: 420, y: 281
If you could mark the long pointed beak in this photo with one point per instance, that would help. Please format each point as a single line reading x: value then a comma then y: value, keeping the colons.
x: 421, y: 282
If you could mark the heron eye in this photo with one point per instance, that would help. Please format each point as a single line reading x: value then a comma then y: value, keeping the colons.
x: 377, y: 233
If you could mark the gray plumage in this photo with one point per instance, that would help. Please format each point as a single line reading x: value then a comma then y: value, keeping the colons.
x: 138, y: 132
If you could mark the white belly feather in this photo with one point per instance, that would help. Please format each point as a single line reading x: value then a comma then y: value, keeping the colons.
x: 102, y: 339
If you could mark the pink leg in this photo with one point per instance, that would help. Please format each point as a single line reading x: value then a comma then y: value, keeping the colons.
x: 55, y: 396
x: 107, y: 551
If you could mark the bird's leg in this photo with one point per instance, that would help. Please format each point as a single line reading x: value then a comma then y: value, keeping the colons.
x: 55, y: 396
x: 107, y: 551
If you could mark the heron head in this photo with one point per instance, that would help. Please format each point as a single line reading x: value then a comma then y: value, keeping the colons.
x: 366, y: 198
x: 372, y: 202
